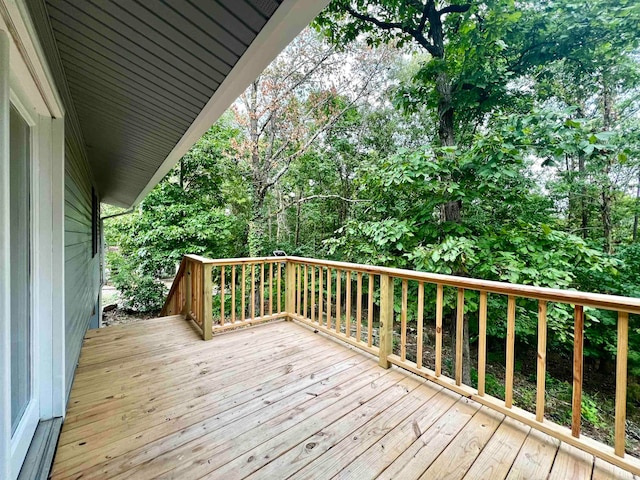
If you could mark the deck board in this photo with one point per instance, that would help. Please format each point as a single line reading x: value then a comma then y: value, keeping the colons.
x: 152, y: 400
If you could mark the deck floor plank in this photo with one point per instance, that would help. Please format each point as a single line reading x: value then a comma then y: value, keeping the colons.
x: 152, y: 400
x: 571, y: 463
x: 498, y: 455
x: 535, y: 458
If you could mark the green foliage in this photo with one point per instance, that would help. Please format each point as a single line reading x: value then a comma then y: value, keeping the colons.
x: 140, y: 292
x: 199, y: 208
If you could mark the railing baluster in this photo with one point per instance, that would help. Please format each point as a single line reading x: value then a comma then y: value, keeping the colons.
x: 320, y: 295
x: 347, y: 308
x: 403, y: 320
x: 459, y: 334
x: 542, y: 359
x: 621, y: 383
x: 328, y: 297
x: 359, y: 307
x: 243, y: 314
x: 482, y: 343
x: 313, y: 293
x: 233, y: 294
x: 299, y: 290
x: 439, y: 301
x: 306, y: 290
x: 511, y: 338
x: 578, y: 345
x: 222, y: 295
x: 188, y: 296
x: 338, y: 300
x: 279, y: 287
x: 270, y: 288
x: 253, y: 291
x: 420, y: 321
x: 261, y: 267
x: 370, y: 312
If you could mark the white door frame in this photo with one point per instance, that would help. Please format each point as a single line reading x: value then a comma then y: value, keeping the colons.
x: 21, y: 439
x: 24, y: 82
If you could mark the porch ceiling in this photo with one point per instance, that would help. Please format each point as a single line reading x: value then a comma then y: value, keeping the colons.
x: 148, y: 77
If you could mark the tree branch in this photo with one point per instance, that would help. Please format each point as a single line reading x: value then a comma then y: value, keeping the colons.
x: 454, y: 9
x: 415, y: 33
x: 315, y: 197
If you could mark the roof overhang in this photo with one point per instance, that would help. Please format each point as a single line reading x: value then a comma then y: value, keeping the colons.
x: 148, y: 78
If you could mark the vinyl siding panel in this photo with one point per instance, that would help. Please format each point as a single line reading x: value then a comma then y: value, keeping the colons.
x: 82, y: 270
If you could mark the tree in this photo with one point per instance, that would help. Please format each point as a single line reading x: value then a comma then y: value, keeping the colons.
x: 289, y: 108
x: 196, y: 208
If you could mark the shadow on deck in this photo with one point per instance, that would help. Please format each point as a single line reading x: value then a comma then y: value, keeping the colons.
x: 151, y: 400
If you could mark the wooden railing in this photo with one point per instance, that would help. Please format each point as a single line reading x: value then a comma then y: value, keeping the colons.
x: 355, y: 303
x: 247, y: 291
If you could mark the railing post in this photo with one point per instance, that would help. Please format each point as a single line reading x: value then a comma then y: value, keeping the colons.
x: 187, y: 291
x: 290, y: 290
x: 207, y: 302
x: 386, y: 320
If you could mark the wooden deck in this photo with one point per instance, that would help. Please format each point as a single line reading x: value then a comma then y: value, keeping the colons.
x: 152, y: 400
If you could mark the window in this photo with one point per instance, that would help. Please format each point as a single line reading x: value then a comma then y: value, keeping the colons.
x: 95, y: 222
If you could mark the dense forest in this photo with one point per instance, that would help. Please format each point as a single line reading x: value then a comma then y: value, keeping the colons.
x: 496, y: 139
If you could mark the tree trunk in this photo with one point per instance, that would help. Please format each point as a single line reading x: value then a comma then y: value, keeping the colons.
x: 453, y: 209
x: 607, y: 189
x: 298, y: 208
x: 584, y: 213
x: 637, y: 214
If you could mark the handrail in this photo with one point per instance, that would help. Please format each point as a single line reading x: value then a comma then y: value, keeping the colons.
x: 322, y: 294
x: 595, y: 300
x: 174, y: 287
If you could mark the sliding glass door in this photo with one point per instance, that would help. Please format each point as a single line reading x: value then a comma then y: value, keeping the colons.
x: 24, y: 399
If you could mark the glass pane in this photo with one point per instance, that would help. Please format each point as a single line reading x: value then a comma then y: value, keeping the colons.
x: 20, y: 268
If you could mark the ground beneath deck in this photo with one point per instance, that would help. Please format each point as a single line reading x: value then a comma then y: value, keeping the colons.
x: 152, y: 400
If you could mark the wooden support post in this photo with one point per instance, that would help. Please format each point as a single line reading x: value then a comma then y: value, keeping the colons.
x: 386, y: 319
x: 187, y: 297
x: 621, y: 383
x: 207, y: 302
x: 542, y: 359
x: 578, y: 346
x: 511, y: 338
x: 290, y: 290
